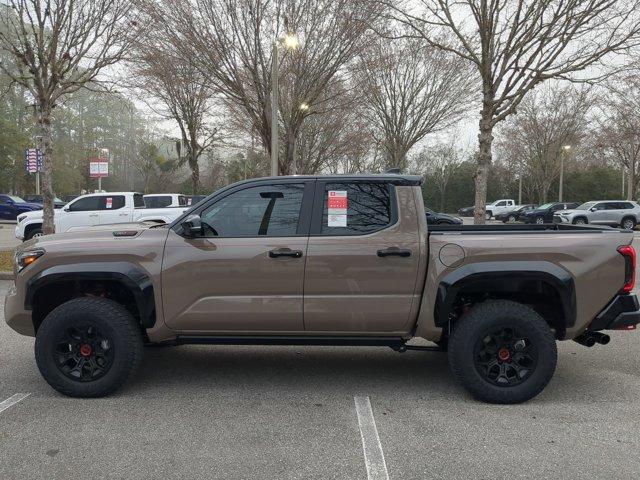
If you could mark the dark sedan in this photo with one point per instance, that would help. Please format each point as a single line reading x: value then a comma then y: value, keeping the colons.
x: 39, y: 199
x: 514, y: 215
x: 12, y: 206
x: 466, y: 211
x: 434, y: 218
x: 544, y: 213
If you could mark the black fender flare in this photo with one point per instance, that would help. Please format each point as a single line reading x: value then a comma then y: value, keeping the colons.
x: 508, y: 276
x: 137, y: 281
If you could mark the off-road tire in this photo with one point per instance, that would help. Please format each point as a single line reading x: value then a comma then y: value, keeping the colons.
x: 475, y: 325
x: 33, y: 233
x: 105, y: 315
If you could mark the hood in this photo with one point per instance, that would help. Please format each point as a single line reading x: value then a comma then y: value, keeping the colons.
x: 569, y: 211
x: 32, y: 214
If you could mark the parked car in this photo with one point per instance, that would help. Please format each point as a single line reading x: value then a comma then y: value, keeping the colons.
x: 434, y: 218
x: 466, y: 211
x: 499, y: 206
x: 513, y: 215
x: 544, y: 213
x: 163, y: 200
x: 259, y: 262
x: 11, y: 206
x: 622, y: 213
x: 493, y: 208
x: 39, y: 199
x: 96, y: 209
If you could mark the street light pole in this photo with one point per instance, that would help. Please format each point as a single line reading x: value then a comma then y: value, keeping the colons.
x: 565, y: 148
x: 274, y: 111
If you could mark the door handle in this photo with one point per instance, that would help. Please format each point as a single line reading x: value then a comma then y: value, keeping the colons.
x: 285, y: 252
x: 394, y: 252
x: 93, y: 214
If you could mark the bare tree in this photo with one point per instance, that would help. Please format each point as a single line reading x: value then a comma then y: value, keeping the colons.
x: 411, y: 90
x: 232, y: 42
x: 441, y: 162
x: 517, y: 44
x: 619, y: 130
x: 533, y: 139
x: 59, y: 47
x: 184, y: 92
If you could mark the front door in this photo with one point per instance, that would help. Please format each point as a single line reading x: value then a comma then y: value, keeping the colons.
x: 245, y: 273
x: 82, y: 212
x: 362, y: 259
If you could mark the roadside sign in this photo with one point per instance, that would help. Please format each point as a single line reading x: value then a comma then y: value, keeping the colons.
x: 98, y: 168
x: 33, y: 159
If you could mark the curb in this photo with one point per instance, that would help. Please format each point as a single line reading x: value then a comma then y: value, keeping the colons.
x: 6, y: 276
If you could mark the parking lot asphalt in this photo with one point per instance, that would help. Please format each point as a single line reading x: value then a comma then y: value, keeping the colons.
x: 229, y: 412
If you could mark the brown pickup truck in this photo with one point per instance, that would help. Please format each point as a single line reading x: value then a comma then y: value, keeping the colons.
x: 326, y: 260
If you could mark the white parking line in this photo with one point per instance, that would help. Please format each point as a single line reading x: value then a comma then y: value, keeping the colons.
x: 18, y: 397
x: 373, y: 454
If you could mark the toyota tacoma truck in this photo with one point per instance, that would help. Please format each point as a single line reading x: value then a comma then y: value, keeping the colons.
x: 96, y: 209
x: 322, y: 260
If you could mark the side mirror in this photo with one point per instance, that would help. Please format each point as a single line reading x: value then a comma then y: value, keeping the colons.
x: 192, y: 226
x: 592, y: 209
x: 66, y: 209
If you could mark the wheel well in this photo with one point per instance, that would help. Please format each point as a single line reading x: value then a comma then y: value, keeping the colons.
x: 628, y: 216
x: 51, y: 295
x: 30, y: 228
x: 540, y: 295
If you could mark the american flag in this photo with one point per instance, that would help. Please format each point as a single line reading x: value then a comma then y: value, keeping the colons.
x: 33, y: 160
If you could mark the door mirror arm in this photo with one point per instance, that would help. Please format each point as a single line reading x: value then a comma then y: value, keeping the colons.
x: 192, y: 226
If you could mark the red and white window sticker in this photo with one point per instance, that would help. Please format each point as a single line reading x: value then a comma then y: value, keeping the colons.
x: 108, y: 202
x: 337, y: 205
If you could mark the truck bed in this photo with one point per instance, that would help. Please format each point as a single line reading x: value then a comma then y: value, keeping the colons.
x: 519, y: 228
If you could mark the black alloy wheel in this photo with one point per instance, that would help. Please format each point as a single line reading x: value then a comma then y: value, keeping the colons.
x: 83, y: 353
x: 505, y: 357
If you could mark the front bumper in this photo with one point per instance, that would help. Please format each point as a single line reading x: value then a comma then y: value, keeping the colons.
x: 561, y: 219
x: 622, y: 312
x: 16, y: 316
x: 19, y: 233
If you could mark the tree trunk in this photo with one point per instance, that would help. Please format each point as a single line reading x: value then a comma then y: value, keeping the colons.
x: 485, y: 139
x: 289, y: 152
x: 44, y: 127
x: 195, y: 173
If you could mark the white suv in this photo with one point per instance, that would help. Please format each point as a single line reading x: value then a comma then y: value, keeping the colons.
x: 623, y: 213
x: 499, y: 206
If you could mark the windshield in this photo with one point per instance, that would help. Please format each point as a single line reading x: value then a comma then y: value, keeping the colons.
x: 585, y: 206
x: 546, y: 205
x: 16, y: 199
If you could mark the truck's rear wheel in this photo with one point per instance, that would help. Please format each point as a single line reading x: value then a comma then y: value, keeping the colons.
x: 502, y: 352
x: 87, y: 347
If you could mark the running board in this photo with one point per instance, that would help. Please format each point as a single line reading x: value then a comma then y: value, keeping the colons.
x: 396, y: 343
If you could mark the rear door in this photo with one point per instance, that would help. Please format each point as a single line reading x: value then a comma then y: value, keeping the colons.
x: 362, y: 258
x: 245, y: 273
x: 113, y: 209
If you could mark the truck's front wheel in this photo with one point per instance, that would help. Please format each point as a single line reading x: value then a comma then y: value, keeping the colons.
x: 87, y: 347
x: 502, y: 352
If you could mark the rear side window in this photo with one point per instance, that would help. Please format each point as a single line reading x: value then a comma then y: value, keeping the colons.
x: 113, y: 202
x: 138, y: 201
x: 182, y: 201
x: 157, y: 202
x: 85, y: 204
x: 356, y: 208
x: 262, y: 211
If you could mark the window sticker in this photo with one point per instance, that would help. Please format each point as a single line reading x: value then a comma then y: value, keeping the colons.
x: 337, y: 205
x: 109, y: 202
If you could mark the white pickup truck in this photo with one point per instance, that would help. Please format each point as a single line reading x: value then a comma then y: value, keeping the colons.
x: 499, y: 206
x: 96, y: 209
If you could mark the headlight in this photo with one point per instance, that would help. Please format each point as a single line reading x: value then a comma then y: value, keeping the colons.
x: 21, y: 217
x: 24, y: 259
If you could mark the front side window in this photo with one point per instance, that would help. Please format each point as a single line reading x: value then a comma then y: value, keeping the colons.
x: 356, y: 208
x: 262, y: 211
x: 501, y: 204
x: 599, y: 206
x: 85, y: 204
